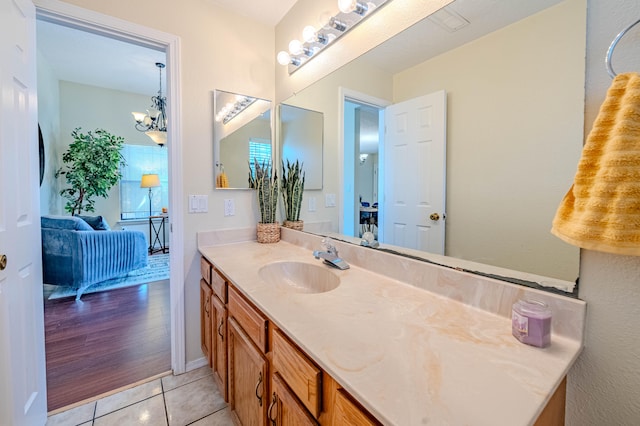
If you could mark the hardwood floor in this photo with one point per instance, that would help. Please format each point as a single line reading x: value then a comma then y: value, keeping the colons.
x: 108, y: 340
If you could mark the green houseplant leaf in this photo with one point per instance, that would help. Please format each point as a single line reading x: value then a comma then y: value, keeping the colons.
x: 265, y: 182
x: 292, y: 188
x: 91, y: 168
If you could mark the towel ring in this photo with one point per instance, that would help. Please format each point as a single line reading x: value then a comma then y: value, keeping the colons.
x: 615, y: 41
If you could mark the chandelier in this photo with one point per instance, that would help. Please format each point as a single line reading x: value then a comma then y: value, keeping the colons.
x: 154, y: 122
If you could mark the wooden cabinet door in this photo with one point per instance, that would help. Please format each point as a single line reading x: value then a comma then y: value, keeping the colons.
x: 205, y: 320
x: 247, y: 378
x: 285, y: 408
x: 219, y: 321
x: 346, y: 412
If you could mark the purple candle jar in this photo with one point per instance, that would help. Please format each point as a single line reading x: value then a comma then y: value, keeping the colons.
x: 531, y: 322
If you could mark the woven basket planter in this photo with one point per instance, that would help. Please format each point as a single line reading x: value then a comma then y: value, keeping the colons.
x: 294, y: 224
x: 268, y: 232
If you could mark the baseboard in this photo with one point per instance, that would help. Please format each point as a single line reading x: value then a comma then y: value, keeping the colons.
x: 200, y: 362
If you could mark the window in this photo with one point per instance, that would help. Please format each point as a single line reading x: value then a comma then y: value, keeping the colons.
x: 134, y: 201
x: 259, y: 149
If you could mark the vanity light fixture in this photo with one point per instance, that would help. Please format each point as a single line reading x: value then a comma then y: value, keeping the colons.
x: 232, y: 109
x: 314, y: 40
x: 154, y: 122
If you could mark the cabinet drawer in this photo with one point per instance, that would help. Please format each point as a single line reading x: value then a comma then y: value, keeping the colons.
x: 299, y: 372
x: 252, y: 321
x: 205, y: 270
x: 219, y: 285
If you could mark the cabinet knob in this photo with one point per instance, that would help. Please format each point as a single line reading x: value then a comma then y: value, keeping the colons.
x: 3, y: 262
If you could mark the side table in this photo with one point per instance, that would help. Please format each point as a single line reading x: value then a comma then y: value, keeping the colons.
x: 157, y: 241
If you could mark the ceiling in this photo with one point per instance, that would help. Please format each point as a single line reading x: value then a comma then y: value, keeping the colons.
x: 82, y: 57
x: 87, y: 58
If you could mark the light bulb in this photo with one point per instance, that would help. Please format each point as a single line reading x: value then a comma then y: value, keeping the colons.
x: 309, y: 34
x: 323, y: 20
x: 284, y: 58
x: 295, y: 47
x: 347, y: 6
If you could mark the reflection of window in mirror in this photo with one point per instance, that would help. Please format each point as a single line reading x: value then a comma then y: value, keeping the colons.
x: 260, y: 151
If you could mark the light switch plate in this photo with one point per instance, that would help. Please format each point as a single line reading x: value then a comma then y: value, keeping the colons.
x: 312, y: 204
x: 198, y: 203
x: 330, y: 200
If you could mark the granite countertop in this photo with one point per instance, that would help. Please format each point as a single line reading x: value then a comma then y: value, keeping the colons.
x: 410, y: 356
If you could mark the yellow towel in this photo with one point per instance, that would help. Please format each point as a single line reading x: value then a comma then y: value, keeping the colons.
x: 601, y: 211
x: 222, y: 181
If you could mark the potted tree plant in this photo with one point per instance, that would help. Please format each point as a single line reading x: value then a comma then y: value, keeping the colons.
x: 264, y: 180
x: 292, y: 188
x: 92, y: 168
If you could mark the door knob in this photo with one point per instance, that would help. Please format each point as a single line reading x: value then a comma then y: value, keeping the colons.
x: 434, y: 216
x: 3, y: 262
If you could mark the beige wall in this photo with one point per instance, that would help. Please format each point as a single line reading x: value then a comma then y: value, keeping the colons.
x: 219, y: 49
x: 604, y: 385
x: 514, y: 132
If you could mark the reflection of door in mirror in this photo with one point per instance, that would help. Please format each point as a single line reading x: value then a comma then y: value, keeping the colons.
x: 300, y: 139
x: 241, y: 133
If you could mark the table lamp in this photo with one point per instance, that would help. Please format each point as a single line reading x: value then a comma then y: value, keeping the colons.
x: 150, y: 181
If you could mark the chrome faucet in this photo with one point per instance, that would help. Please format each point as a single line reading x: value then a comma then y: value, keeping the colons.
x: 330, y: 255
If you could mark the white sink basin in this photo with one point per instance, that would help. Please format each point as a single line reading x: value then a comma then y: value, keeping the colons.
x: 300, y: 277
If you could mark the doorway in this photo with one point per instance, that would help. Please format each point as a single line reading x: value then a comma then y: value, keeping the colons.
x: 363, y: 139
x: 81, y: 19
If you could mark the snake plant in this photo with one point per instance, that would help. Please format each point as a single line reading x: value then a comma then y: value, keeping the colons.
x: 264, y: 179
x: 292, y: 188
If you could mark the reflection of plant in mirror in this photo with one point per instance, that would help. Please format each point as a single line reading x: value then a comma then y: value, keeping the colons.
x: 265, y: 181
x: 92, y: 164
x: 292, y: 189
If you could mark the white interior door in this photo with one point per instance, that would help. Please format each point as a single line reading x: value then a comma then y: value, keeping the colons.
x: 22, y: 358
x: 414, y: 161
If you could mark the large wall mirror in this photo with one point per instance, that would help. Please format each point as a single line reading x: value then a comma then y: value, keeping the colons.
x: 300, y: 138
x: 241, y: 132
x: 514, y: 82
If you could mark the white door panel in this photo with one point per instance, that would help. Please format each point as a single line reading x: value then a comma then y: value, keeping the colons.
x: 415, y: 150
x: 22, y: 359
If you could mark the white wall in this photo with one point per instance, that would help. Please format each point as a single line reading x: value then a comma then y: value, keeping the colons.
x: 219, y: 50
x: 604, y: 385
x: 514, y: 124
x: 49, y: 121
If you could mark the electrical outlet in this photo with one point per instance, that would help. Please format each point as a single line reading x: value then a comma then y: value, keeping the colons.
x: 229, y: 207
x: 312, y: 204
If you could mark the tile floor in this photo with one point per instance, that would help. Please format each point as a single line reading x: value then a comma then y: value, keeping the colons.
x: 188, y: 399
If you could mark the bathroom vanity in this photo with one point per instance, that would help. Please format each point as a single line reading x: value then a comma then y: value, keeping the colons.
x: 388, y: 341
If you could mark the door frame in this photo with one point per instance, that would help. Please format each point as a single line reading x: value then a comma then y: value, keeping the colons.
x: 76, y: 17
x: 346, y: 94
